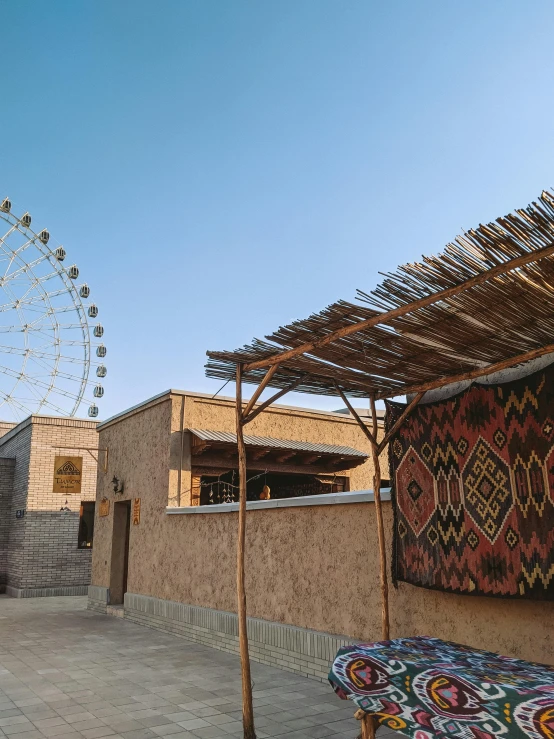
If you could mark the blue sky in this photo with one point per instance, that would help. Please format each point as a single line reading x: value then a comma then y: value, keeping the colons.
x: 218, y: 168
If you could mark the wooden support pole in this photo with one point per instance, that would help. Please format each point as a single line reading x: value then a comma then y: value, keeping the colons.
x: 252, y: 415
x: 247, y: 705
x: 361, y: 424
x: 380, y: 527
x: 368, y: 727
x: 372, y: 436
x: 399, y: 421
x: 472, y: 374
x: 367, y: 723
x: 261, y: 387
x: 499, y: 269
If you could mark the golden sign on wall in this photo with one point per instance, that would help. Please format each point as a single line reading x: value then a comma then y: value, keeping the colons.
x: 68, y: 472
x: 136, y: 511
x: 104, y: 507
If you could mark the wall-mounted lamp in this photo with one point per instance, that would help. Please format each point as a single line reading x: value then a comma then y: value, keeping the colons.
x: 117, y: 486
x: 65, y: 508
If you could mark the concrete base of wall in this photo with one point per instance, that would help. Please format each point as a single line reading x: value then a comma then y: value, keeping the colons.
x: 98, y: 598
x: 305, y: 652
x: 46, y: 592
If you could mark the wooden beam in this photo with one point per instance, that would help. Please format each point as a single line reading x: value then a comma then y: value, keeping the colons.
x: 402, y: 310
x: 385, y: 624
x: 252, y: 415
x: 261, y: 387
x: 210, y: 470
x: 399, y: 421
x: 259, y: 454
x: 247, y: 704
x: 269, y: 465
x: 473, y: 374
x: 309, y: 458
x: 199, y: 448
x: 361, y: 424
x: 286, y: 455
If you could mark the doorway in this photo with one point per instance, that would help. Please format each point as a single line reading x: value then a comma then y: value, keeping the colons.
x: 120, y: 551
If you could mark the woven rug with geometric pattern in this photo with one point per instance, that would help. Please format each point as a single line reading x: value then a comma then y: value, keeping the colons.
x: 472, y: 484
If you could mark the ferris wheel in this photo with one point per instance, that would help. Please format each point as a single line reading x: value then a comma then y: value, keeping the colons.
x: 45, y: 342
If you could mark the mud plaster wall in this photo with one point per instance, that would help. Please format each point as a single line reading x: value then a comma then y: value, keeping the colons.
x: 313, y: 567
x: 139, y: 449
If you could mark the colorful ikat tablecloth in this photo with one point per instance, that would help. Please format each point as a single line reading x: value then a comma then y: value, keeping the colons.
x: 426, y: 687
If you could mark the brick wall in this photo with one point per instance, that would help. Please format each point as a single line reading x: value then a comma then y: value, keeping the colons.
x: 6, y: 426
x: 43, y: 556
x: 7, y: 467
x: 16, y: 444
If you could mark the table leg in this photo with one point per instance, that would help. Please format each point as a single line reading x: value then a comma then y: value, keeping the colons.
x: 368, y: 724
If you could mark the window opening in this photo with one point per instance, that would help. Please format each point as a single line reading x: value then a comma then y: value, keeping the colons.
x: 262, y: 486
x: 86, y: 525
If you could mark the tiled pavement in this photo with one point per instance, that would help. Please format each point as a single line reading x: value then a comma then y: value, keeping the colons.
x: 67, y: 672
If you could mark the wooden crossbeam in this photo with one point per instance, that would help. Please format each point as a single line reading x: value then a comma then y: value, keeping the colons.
x: 472, y: 374
x: 399, y: 421
x: 352, y: 410
x: 261, y: 387
x: 403, y: 310
x: 252, y: 415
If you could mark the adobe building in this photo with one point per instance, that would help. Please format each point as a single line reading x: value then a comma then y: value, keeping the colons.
x: 165, y: 544
x: 47, y: 493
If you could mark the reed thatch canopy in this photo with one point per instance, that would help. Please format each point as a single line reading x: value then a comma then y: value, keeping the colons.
x: 486, y: 301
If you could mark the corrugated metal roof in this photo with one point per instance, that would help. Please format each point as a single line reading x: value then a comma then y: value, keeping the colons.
x: 266, y: 441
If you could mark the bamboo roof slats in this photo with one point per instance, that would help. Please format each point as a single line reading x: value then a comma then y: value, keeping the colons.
x: 486, y: 299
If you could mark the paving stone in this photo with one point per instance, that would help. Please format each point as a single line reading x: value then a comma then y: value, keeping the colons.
x: 75, y: 674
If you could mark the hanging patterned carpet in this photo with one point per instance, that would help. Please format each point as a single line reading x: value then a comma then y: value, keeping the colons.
x: 473, y: 490
x: 428, y: 688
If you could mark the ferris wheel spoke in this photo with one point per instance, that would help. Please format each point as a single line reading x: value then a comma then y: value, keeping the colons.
x: 48, y: 367
x: 33, y: 352
x: 42, y: 363
x: 37, y: 397
x: 52, y: 406
x: 33, y: 325
x: 17, y: 403
x: 9, y: 276
x: 15, y: 408
x: 47, y: 403
x: 31, y: 381
x: 8, y: 233
x: 23, y: 300
x: 28, y: 306
x: 49, y: 276
x: 12, y: 254
x: 54, y: 294
x: 43, y: 401
x: 65, y: 376
x: 17, y: 330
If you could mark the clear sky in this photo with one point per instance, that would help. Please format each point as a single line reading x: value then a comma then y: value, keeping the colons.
x: 217, y: 168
